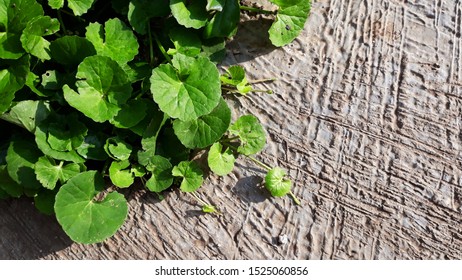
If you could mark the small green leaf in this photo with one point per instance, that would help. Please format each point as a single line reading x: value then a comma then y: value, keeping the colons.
x: 45, y: 200
x: 49, y: 173
x: 79, y: 7
x: 32, y: 37
x: 290, y: 21
x: 220, y: 162
x: 205, y: 130
x: 276, y: 183
x: 187, y: 93
x: 93, y: 146
x: 118, y: 149
x: 71, y: 50
x: 85, y: 217
x: 103, y: 87
x: 117, y: 41
x: 215, y: 5
x: 161, y: 178
x: 224, y: 23
x: 141, y: 11
x: 121, y: 174
x: 250, y: 133
x: 191, y: 14
x: 235, y: 76
x: 209, y: 209
x: 12, y: 79
x: 191, y: 173
x: 56, y: 4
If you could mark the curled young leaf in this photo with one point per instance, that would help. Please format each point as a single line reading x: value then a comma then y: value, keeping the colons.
x: 121, y: 174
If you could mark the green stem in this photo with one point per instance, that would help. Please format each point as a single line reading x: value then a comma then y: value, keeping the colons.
x: 159, y: 45
x: 261, y: 164
x: 193, y: 194
x: 256, y: 10
x: 294, y: 198
x: 61, y: 22
x: 151, y: 48
x: 262, y: 81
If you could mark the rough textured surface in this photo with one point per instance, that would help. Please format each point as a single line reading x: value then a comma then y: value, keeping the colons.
x: 367, y: 119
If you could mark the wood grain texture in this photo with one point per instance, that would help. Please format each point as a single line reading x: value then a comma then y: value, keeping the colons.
x: 366, y: 117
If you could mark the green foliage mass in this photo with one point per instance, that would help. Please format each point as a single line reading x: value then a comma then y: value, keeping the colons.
x: 96, y: 95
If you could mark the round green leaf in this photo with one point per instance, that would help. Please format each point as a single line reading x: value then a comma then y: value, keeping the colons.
x: 116, y: 41
x: 191, y: 173
x: 117, y: 148
x: 189, y: 92
x: 71, y: 50
x: 250, y: 133
x: 220, y: 162
x: 191, y: 14
x: 290, y: 20
x: 84, y: 216
x: 224, y: 23
x: 276, y: 183
x: 80, y: 7
x: 102, y: 88
x: 120, y: 174
x: 161, y: 178
x: 205, y: 130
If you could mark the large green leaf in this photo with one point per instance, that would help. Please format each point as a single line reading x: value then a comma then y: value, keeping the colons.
x: 103, y: 87
x: 116, y: 41
x: 15, y: 14
x: 224, y: 23
x: 28, y: 114
x: 32, y: 37
x: 141, y: 11
x: 220, y: 162
x: 191, y: 14
x: 191, y: 90
x: 71, y: 50
x: 84, y: 216
x: 290, y: 21
x: 12, y: 79
x: 191, y: 173
x: 250, y: 133
x: 205, y: 130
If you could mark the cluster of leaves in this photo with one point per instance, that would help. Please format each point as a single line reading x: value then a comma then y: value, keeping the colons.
x: 122, y: 89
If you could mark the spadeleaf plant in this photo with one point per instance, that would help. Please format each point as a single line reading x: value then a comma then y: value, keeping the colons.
x: 95, y: 95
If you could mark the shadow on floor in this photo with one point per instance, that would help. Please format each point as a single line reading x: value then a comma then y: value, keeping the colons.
x: 26, y: 234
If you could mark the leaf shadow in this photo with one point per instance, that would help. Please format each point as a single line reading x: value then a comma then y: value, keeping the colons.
x: 249, y: 190
x: 26, y: 234
x: 251, y: 41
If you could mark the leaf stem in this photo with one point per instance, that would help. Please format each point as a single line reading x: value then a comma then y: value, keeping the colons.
x: 262, y: 81
x: 294, y: 198
x: 256, y: 10
x: 61, y: 22
x: 261, y: 164
x: 159, y: 45
x: 151, y: 48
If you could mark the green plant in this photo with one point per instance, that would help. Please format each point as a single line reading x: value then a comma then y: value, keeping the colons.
x: 123, y: 89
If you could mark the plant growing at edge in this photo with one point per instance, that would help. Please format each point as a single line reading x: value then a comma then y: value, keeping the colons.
x: 123, y: 89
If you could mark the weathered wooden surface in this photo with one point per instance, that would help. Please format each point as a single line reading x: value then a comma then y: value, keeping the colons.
x: 367, y: 119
